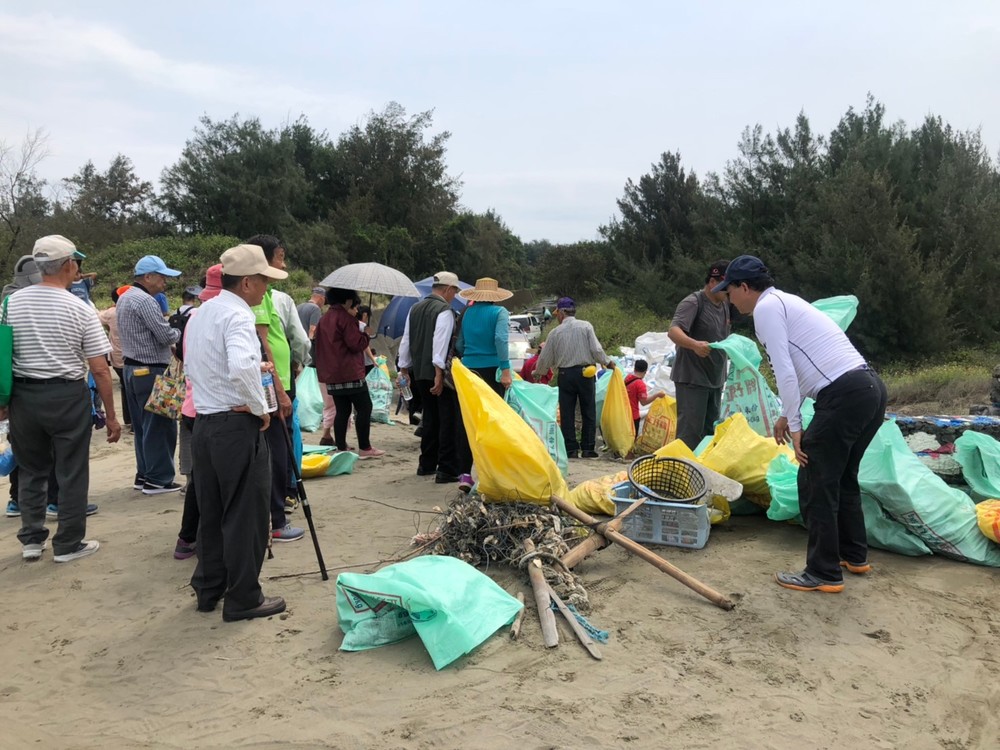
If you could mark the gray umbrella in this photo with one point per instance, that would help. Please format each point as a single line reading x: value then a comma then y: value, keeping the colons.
x: 372, y: 277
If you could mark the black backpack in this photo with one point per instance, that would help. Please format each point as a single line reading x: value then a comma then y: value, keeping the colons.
x: 179, y: 320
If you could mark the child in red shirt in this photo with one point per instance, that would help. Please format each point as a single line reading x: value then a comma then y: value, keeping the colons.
x: 636, y: 387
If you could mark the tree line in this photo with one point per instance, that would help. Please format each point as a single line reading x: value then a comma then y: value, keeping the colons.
x: 905, y: 218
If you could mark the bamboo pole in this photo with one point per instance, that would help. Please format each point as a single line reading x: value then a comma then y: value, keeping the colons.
x: 515, y: 628
x: 651, y: 557
x: 597, y: 541
x: 542, y: 600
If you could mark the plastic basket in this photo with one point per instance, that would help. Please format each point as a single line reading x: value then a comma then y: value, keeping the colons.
x: 656, y: 522
x: 667, y: 479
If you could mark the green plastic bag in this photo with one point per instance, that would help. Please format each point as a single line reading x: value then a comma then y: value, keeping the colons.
x: 746, y: 390
x: 537, y: 405
x: 882, y: 531
x: 310, y: 400
x: 942, y: 516
x: 842, y: 310
x: 601, y: 392
x: 380, y: 390
x: 979, y: 457
x: 447, y: 602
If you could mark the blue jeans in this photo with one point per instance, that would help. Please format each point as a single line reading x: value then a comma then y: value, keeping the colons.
x: 155, y: 436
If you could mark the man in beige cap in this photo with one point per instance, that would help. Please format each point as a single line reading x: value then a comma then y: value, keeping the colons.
x: 423, y: 354
x: 232, y: 462
x: 56, y: 338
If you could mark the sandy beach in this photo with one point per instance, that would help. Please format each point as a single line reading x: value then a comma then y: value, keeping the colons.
x: 109, y: 652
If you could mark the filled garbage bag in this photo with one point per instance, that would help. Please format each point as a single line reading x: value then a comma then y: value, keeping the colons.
x: 538, y: 406
x: 512, y: 462
x: 659, y: 428
x: 617, y: 425
x: 741, y: 454
x: 380, y: 389
x: 942, y: 516
x: 979, y: 457
x: 310, y: 400
x: 447, y: 602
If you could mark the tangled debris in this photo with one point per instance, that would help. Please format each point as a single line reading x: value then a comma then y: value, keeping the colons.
x: 482, y: 534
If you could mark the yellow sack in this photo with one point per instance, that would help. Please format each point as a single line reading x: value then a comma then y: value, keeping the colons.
x: 988, y: 516
x: 676, y: 449
x: 512, y: 463
x: 593, y: 496
x: 741, y: 454
x: 659, y: 428
x: 617, y: 426
x: 380, y: 363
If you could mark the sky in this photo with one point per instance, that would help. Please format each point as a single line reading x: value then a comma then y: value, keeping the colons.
x: 551, y: 106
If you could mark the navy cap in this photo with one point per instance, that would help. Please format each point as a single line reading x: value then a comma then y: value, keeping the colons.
x: 743, y: 268
x: 565, y: 303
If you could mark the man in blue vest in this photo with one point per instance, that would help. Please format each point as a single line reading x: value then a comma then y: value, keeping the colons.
x: 423, y: 355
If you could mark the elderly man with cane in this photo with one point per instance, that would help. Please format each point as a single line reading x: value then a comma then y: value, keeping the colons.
x: 232, y: 460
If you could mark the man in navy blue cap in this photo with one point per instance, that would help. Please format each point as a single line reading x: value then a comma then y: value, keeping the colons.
x: 571, y: 347
x: 813, y: 358
x: 147, y: 346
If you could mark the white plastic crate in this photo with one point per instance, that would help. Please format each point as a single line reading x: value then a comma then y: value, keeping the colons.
x: 655, y: 522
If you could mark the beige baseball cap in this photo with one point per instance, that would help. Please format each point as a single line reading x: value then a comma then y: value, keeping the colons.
x: 248, y: 260
x: 55, y: 247
x: 446, y: 278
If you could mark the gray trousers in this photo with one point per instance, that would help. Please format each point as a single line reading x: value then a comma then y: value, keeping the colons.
x: 50, y: 424
x: 232, y: 478
x: 697, y: 412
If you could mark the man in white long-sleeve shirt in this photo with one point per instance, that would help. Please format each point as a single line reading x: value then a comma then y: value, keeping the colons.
x: 232, y: 463
x: 812, y: 358
x: 423, y: 355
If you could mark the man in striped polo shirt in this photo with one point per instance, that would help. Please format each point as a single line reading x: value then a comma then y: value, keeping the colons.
x: 56, y: 338
x: 147, y: 343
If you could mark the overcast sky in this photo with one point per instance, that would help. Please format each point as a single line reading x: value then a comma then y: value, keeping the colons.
x: 552, y: 106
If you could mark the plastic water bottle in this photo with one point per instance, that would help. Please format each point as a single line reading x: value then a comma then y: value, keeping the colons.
x: 270, y: 396
x: 404, y: 388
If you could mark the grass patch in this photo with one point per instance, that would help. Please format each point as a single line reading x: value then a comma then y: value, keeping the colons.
x: 950, y: 386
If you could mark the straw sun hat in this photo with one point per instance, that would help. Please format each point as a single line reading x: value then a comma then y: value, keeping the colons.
x: 486, y: 290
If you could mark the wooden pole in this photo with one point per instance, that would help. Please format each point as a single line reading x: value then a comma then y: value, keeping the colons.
x: 576, y: 627
x: 515, y: 628
x: 542, y: 601
x: 651, y: 557
x: 597, y: 541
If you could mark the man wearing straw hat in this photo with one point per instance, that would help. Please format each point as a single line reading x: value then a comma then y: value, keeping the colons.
x: 484, y: 334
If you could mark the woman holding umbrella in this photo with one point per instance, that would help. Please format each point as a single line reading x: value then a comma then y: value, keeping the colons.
x: 341, y: 341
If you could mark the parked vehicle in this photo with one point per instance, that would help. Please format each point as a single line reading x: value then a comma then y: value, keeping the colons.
x: 517, y: 347
x: 529, y: 324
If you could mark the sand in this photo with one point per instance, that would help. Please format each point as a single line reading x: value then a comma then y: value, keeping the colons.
x: 109, y: 652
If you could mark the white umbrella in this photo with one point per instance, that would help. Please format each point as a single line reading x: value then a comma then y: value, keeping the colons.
x: 372, y: 277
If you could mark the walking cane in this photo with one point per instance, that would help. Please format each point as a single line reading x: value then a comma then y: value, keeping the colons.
x: 301, y: 492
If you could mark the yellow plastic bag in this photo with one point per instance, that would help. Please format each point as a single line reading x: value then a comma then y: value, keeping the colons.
x: 988, y: 516
x: 593, y: 496
x: 659, y: 428
x: 741, y: 454
x: 512, y: 463
x: 676, y: 449
x: 617, y: 426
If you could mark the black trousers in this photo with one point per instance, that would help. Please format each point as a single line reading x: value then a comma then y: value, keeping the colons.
x: 190, y: 517
x: 233, y: 474
x: 697, y: 412
x: 361, y: 402
x: 438, y: 441
x: 849, y: 412
x: 280, y: 468
x: 575, y: 388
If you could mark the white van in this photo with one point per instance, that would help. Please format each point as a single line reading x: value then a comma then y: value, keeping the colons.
x: 529, y: 325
